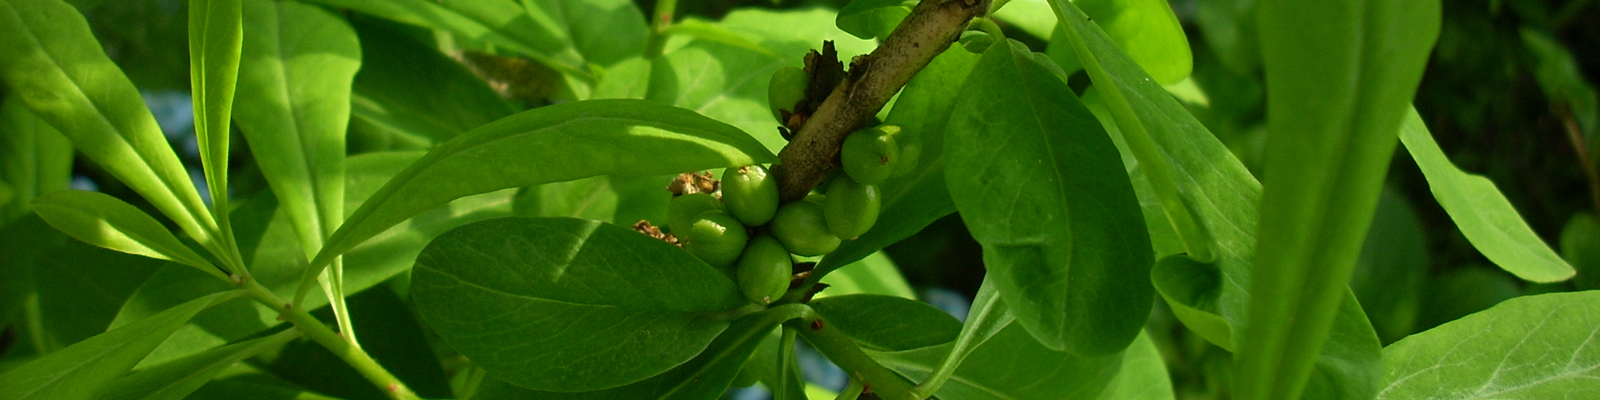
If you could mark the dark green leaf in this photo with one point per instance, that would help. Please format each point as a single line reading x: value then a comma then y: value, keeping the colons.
x: 79, y: 296
x: 1580, y: 246
x: 1043, y: 189
x: 887, y: 323
x: 253, y: 387
x: 501, y: 23
x: 1011, y: 365
x: 569, y: 305
x: 85, y: 369
x: 34, y: 158
x: 95, y: 106
x: 23, y: 242
x: 408, y: 86
x: 177, y: 379
x: 913, y: 201
x: 105, y: 221
x: 1193, y: 290
x: 1482, y: 213
x: 550, y: 144
x: 1394, y: 261
x: 398, y: 343
x: 175, y: 284
x: 873, y: 19
x: 1534, y: 347
x: 215, y: 36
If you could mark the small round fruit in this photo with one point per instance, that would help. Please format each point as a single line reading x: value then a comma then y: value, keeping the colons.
x: 870, y: 155
x: 803, y: 230
x: 750, y: 193
x: 910, y: 151
x: 851, y: 207
x: 787, y: 87
x: 716, y: 237
x: 764, y: 270
x: 682, y: 210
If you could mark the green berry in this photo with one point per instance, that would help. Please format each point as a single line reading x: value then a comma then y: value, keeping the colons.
x: 787, y: 87
x: 869, y: 155
x: 716, y: 237
x: 803, y: 230
x: 910, y: 151
x: 851, y: 207
x: 750, y: 193
x: 764, y: 270
x: 682, y: 210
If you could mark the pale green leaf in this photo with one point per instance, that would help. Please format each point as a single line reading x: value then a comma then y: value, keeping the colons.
x: 105, y: 221
x: 215, y: 35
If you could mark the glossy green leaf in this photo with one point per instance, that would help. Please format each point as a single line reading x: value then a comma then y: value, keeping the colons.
x: 993, y: 372
x: 177, y: 379
x: 1148, y: 32
x: 1482, y: 213
x: 1535, y: 347
x: 704, y: 377
x: 105, y: 221
x: 619, y: 137
x: 876, y: 274
x: 34, y: 158
x: 913, y: 201
x: 914, y: 324
x: 604, y: 31
x: 595, y: 294
x: 1143, y: 375
x: 873, y: 19
x: 1041, y: 186
x: 1580, y: 245
x: 95, y: 106
x: 408, y: 86
x: 501, y: 23
x: 215, y: 36
x: 82, y: 371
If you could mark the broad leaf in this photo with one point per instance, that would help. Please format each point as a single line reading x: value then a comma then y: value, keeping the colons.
x: 215, y: 36
x: 177, y: 379
x: 568, y: 305
x: 82, y: 371
x: 1482, y: 213
x: 604, y: 31
x: 105, y: 221
x: 1011, y: 365
x: 876, y: 274
x: 886, y: 323
x: 501, y: 23
x: 550, y: 144
x: 34, y: 158
x: 95, y: 106
x: 1043, y: 190
x: 408, y: 86
x: 913, y: 201
x: 78, y: 297
x: 1148, y: 32
x: 1143, y: 375
x: 873, y: 19
x: 1535, y: 347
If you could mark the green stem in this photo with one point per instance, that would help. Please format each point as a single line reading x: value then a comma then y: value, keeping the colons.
x: 658, y: 27
x: 320, y: 333
x: 843, y: 352
x: 851, y: 391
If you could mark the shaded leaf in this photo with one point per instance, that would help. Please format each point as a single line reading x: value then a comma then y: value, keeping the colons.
x: 1143, y: 375
x: 105, y: 221
x: 873, y: 19
x: 992, y: 371
x: 34, y: 158
x: 79, y: 296
x: 886, y: 323
x: 408, y: 86
x: 1580, y: 246
x: 501, y: 23
x: 876, y: 274
x: 604, y: 31
x: 177, y: 379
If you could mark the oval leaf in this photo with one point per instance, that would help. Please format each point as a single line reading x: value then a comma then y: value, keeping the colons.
x: 550, y: 144
x: 887, y: 323
x: 1534, y: 347
x: 569, y: 305
x: 101, y: 220
x: 1043, y: 190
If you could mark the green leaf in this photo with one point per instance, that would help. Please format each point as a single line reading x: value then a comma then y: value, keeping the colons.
x: 34, y: 158
x: 1394, y: 263
x: 596, y: 294
x: 175, y: 284
x: 1030, y: 16
x: 1011, y: 365
x: 1143, y: 375
x: 1534, y: 347
x: 1562, y: 81
x: 1580, y: 245
x: 706, y: 376
x: 23, y: 243
x: 628, y: 79
x: 711, y: 31
x: 1482, y: 213
x: 873, y: 19
x: 215, y: 36
x: 913, y: 201
x: 105, y: 221
x: 887, y: 323
x: 1148, y: 32
x: 83, y: 370
x: 501, y: 23
x: 1042, y: 188
x: 876, y: 274
x: 406, y: 85
x: 604, y: 31
x: 95, y: 106
x: 403, y: 349
x: 619, y: 137
x: 253, y: 387
x: 177, y: 379
x: 1193, y: 289
x: 78, y: 297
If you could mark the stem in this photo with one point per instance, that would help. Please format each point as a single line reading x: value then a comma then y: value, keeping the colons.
x: 318, y: 332
x: 658, y: 27
x: 843, y: 352
x: 851, y: 391
x: 872, y: 80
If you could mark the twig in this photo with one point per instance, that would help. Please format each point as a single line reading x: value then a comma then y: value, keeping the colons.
x: 873, y: 79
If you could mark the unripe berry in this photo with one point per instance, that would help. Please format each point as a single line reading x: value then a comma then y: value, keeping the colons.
x: 851, y: 207
x: 802, y: 229
x: 787, y: 87
x: 910, y: 152
x: 870, y: 155
x: 683, y: 209
x: 716, y: 237
x: 764, y: 270
x: 750, y: 193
